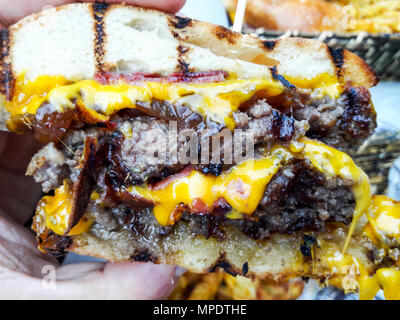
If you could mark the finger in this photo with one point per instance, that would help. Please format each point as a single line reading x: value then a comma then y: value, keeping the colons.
x: 18, y: 193
x: 21, y: 8
x: 16, y: 10
x: 18, y: 251
x: 111, y: 281
x: 3, y: 141
x: 25, y: 273
x: 171, y: 6
x: 17, y: 151
x: 119, y: 281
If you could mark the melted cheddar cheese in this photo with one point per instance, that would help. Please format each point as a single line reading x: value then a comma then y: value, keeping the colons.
x: 214, y: 100
x: 252, y: 176
x: 322, y: 84
x: 333, y: 163
x: 217, y: 100
x: 384, y: 222
x: 387, y: 279
x: 346, y: 271
x: 57, y: 212
x: 383, y: 229
x: 244, y: 185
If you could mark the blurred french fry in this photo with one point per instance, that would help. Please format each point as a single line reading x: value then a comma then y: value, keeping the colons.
x: 207, y: 288
x: 242, y: 288
x: 222, y: 286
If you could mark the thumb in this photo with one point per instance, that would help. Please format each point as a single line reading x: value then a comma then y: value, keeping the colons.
x: 115, y: 281
x: 27, y: 274
x: 94, y: 281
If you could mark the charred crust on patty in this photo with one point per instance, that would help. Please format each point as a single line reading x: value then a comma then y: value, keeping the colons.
x: 99, y: 12
x: 7, y: 80
x: 282, y: 126
x: 215, y: 169
x: 356, y: 118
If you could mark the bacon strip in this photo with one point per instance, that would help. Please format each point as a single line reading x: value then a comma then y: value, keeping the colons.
x: 110, y: 78
x: 167, y: 181
x: 84, y: 186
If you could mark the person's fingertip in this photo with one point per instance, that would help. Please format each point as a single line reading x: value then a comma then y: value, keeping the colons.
x: 169, y: 6
x: 163, y: 280
x: 176, y: 6
x: 140, y: 280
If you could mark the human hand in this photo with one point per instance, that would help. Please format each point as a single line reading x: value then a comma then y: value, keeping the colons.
x: 21, y: 263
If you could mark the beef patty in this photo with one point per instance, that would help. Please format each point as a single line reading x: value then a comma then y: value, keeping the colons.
x: 297, y: 199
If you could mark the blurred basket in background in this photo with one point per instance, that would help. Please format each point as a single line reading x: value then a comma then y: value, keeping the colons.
x: 377, y: 156
x: 381, y: 52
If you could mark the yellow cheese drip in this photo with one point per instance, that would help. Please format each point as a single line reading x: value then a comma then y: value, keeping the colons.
x: 386, y: 278
x: 348, y: 272
x: 57, y: 212
x: 384, y: 222
x: 242, y: 187
x: 389, y: 279
x: 383, y: 229
x: 323, y: 84
x: 368, y: 286
x: 214, y: 100
x: 252, y: 176
x: 334, y: 163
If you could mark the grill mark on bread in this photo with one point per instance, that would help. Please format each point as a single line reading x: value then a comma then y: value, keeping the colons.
x: 269, y: 44
x: 175, y: 35
x: 281, y: 79
x: 143, y: 255
x: 6, y: 75
x: 223, y: 33
x: 183, y: 66
x: 99, y: 12
x: 338, y: 59
x: 223, y: 263
x: 180, y: 22
x: 245, y: 268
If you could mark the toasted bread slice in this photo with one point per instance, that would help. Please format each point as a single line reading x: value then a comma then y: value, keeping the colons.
x: 78, y: 40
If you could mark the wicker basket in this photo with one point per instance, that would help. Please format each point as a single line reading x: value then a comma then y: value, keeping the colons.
x: 381, y: 52
x: 377, y: 156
